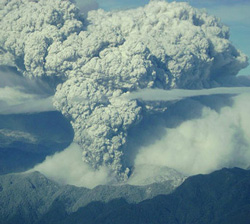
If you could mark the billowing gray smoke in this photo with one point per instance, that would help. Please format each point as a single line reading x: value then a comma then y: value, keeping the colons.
x: 94, y: 61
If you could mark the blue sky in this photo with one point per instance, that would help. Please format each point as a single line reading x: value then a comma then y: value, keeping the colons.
x: 233, y: 13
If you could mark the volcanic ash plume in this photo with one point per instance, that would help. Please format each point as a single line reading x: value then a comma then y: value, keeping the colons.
x: 92, y: 62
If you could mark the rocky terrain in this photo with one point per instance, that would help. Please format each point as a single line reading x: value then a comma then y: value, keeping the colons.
x: 219, y: 197
x: 28, y: 197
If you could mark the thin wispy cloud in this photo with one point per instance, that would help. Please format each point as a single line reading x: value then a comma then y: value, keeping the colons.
x: 32, y: 105
x: 179, y: 94
x: 17, y: 81
x: 12, y: 96
x: 21, y: 95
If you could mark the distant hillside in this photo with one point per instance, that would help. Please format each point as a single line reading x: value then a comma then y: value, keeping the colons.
x: 217, y: 198
x: 222, y: 197
x: 28, y: 198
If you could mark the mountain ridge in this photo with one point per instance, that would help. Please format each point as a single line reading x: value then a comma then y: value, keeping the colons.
x: 220, y: 197
x: 31, y: 195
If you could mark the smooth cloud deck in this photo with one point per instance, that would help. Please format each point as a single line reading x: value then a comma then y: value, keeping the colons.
x: 178, y: 94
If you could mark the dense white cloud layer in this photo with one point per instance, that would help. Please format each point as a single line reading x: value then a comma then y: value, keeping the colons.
x: 95, y: 61
x: 216, y: 140
x: 67, y: 167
